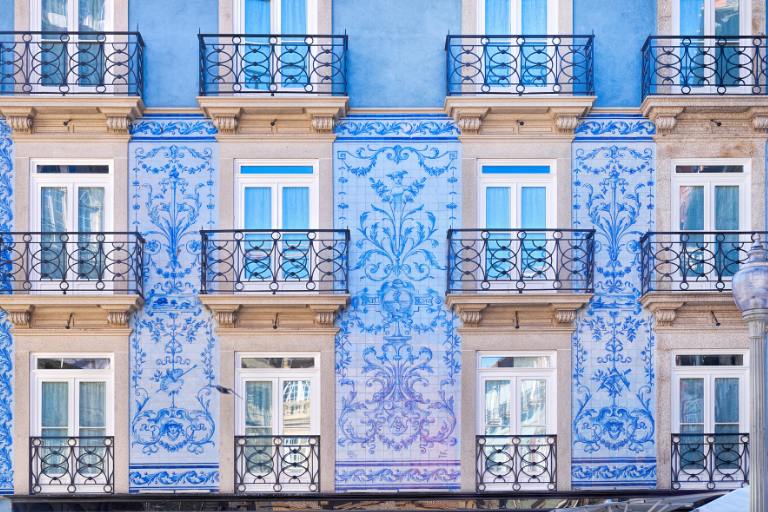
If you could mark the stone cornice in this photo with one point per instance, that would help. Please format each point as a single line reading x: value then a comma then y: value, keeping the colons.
x: 723, y: 116
x: 518, y: 116
x: 49, y: 311
x: 263, y: 115
x: 85, y: 116
x: 275, y: 312
x: 693, y: 309
x: 518, y: 310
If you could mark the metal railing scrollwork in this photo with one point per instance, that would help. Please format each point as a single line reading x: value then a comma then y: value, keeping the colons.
x: 277, y: 463
x: 71, y: 465
x: 710, y: 460
x: 516, y: 462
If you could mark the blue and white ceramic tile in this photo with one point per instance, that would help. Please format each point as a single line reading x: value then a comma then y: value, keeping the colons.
x: 613, y: 344
x: 174, y: 355
x: 397, y: 188
x: 6, y: 342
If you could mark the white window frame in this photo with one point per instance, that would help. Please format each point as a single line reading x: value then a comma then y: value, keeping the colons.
x: 709, y: 373
x: 73, y: 377
x: 516, y: 18
x: 515, y: 374
x: 276, y: 375
x: 745, y: 17
x: 709, y: 181
x: 275, y: 6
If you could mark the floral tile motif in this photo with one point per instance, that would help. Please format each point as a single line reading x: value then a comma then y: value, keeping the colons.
x: 6, y: 341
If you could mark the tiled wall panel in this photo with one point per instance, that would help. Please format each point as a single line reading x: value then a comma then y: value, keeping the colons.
x: 6, y: 342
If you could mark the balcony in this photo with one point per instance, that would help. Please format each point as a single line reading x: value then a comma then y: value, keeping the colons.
x: 550, y: 270
x: 268, y: 268
x: 71, y: 465
x: 58, y: 75
x: 516, y: 463
x: 522, y: 79
x: 39, y: 271
x: 277, y: 464
x: 246, y: 75
x: 710, y: 461
x: 688, y: 77
x: 691, y: 269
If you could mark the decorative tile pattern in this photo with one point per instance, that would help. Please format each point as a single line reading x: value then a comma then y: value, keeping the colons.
x: 613, y: 344
x: 397, y: 351
x: 6, y: 342
x: 190, y: 127
x: 174, y: 355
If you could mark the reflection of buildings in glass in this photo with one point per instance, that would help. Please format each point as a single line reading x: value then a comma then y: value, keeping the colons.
x: 296, y: 407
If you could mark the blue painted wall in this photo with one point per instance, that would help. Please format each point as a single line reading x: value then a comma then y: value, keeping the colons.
x: 620, y: 29
x: 396, y: 49
x: 6, y: 15
x: 169, y: 29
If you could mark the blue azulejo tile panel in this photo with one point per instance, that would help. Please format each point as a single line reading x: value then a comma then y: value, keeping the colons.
x: 6, y: 342
x: 613, y: 344
x: 397, y: 189
x: 174, y: 355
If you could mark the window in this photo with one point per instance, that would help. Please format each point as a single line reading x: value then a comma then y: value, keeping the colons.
x: 517, y: 394
x: 712, y: 17
x: 711, y: 197
x: 71, y: 420
x: 58, y: 64
x: 518, y: 17
x: 276, y: 17
x: 70, y: 197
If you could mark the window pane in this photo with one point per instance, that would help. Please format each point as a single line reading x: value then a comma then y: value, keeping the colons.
x: 534, y: 17
x: 293, y: 14
x: 726, y: 207
x: 278, y: 362
x: 296, y: 407
x: 257, y: 17
x: 710, y: 360
x: 726, y: 400
x: 258, y: 408
x: 90, y: 209
x: 692, y: 401
x: 72, y: 363
x: 497, y: 407
x: 258, y: 208
x: 93, y: 407
x: 73, y: 169
x: 708, y: 169
x: 692, y: 208
x: 514, y: 362
x: 53, y: 14
x: 295, y: 208
x: 692, y: 17
x: 53, y: 209
x: 533, y: 411
x: 91, y: 15
x: 533, y: 207
x: 497, y: 208
x: 497, y: 17
x: 54, y: 408
x: 727, y: 17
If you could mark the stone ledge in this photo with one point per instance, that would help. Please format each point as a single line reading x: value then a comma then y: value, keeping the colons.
x: 735, y: 115
x: 81, y: 311
x: 288, y: 115
x: 527, y: 115
x: 84, y: 116
x: 524, y: 310
x: 273, y: 312
x: 693, y: 309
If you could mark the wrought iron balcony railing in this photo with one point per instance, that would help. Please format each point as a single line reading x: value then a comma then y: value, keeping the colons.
x: 275, y: 261
x: 77, y: 262
x: 272, y: 64
x: 63, y: 63
x: 516, y: 64
x: 710, y: 460
x: 277, y: 463
x: 516, y: 463
x: 71, y: 465
x: 520, y: 260
x: 713, y: 65
x: 693, y: 260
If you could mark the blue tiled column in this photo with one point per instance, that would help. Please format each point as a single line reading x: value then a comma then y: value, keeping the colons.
x: 613, y: 345
x: 174, y: 355
x: 6, y: 342
x: 397, y: 183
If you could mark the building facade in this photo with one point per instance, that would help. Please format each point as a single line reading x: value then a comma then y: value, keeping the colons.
x: 318, y: 246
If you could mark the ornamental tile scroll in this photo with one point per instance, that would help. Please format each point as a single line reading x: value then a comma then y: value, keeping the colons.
x: 174, y: 355
x: 613, y: 343
x: 397, y: 350
x: 6, y: 341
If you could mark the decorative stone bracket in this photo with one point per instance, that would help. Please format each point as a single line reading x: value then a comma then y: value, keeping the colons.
x: 92, y: 311
x: 538, y: 310
x: 731, y: 114
x: 702, y: 309
x: 273, y: 312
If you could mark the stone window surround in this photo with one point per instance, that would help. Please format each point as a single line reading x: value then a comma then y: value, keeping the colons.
x: 470, y: 21
x: 23, y: 15
x: 227, y: 16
